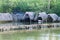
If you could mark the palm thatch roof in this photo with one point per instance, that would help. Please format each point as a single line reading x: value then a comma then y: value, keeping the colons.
x: 6, y: 17
x: 58, y: 18
x: 42, y: 15
x: 29, y: 14
x: 18, y: 16
x: 53, y: 16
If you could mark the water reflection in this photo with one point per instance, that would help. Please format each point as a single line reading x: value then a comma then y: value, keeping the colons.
x: 38, y: 37
x: 22, y: 25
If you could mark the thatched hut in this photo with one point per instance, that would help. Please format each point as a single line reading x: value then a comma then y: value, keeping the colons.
x: 41, y: 16
x: 58, y: 19
x: 18, y: 16
x: 6, y: 17
x: 29, y: 16
x: 52, y: 17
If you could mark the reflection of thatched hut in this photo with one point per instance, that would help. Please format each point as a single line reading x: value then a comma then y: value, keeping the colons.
x: 18, y: 16
x: 6, y: 17
x: 41, y: 16
x: 29, y: 16
x: 52, y: 17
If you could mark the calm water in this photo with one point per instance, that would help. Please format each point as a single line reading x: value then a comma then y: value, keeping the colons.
x: 30, y: 36
x: 34, y: 35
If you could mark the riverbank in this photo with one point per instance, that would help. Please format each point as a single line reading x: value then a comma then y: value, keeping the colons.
x: 45, y: 30
x: 12, y: 27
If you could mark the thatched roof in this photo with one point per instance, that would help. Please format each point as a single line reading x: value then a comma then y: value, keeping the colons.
x: 18, y: 16
x: 43, y: 15
x: 53, y: 16
x: 5, y: 17
x: 30, y: 14
x: 58, y: 18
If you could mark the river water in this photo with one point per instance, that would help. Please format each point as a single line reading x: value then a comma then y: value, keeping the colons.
x: 28, y: 35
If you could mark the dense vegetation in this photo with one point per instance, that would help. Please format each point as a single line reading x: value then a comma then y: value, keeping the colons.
x: 30, y: 5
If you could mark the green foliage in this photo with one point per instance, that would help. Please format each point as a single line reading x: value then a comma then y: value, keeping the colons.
x: 30, y: 5
x: 55, y: 6
x: 23, y: 5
